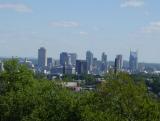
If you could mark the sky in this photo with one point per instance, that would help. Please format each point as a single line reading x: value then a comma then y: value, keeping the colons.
x: 111, y: 26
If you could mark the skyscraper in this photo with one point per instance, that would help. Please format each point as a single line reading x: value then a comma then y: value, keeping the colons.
x: 81, y: 67
x: 104, y: 63
x: 133, y: 62
x: 89, y: 59
x: 118, y: 63
x: 64, y: 59
x: 97, y: 65
x: 42, y: 58
x: 50, y: 62
x: 73, y: 57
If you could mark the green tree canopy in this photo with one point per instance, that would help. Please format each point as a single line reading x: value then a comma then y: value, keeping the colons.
x: 119, y: 98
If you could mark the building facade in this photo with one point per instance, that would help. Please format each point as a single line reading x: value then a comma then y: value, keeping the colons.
x: 73, y: 57
x: 118, y: 63
x: 104, y: 65
x: 64, y: 59
x: 81, y: 67
x: 89, y: 59
x: 42, y: 57
x: 133, y: 62
x: 50, y: 62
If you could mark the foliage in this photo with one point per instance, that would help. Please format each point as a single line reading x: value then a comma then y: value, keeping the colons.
x: 89, y: 79
x: 151, y: 80
x: 119, y: 98
x: 15, y: 76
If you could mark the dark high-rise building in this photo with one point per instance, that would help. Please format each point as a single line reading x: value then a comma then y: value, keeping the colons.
x: 89, y: 59
x: 42, y: 58
x: 49, y: 62
x: 73, y: 57
x: 104, y: 63
x: 81, y: 67
x: 64, y: 59
x: 133, y: 62
x: 118, y: 63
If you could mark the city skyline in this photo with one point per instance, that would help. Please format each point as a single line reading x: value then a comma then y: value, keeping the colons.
x: 46, y: 56
x: 113, y: 27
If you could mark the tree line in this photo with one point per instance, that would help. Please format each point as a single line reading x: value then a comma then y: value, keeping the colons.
x: 23, y: 97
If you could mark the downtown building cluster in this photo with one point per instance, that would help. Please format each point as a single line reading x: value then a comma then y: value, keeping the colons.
x: 68, y: 63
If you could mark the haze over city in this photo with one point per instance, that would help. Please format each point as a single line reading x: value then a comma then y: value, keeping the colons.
x: 79, y: 60
x: 108, y: 26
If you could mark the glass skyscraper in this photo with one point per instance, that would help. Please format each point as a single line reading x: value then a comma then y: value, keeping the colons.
x: 133, y: 62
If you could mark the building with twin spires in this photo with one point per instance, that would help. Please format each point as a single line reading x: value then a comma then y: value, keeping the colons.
x: 133, y: 62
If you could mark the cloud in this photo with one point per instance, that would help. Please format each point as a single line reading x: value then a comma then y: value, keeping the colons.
x: 153, y: 27
x: 16, y: 7
x: 65, y: 24
x: 132, y: 3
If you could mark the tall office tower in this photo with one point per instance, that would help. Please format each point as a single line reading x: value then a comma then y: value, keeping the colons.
x: 118, y: 63
x: 95, y: 62
x: 133, y: 62
x: 50, y: 62
x: 104, y: 63
x: 64, y: 59
x: 73, y: 57
x: 89, y: 59
x: 96, y: 66
x: 42, y: 58
x: 81, y: 67
x: 94, y: 69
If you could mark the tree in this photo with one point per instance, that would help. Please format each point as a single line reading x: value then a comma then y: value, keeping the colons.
x: 119, y: 98
x: 15, y: 76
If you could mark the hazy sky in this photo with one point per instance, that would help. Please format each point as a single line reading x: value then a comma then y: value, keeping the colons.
x: 112, y: 26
